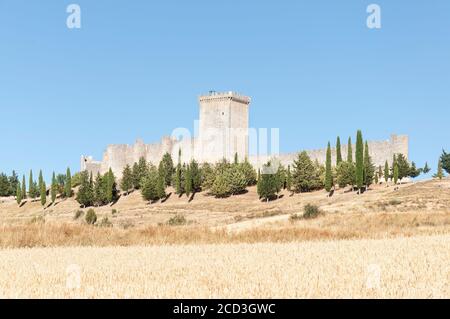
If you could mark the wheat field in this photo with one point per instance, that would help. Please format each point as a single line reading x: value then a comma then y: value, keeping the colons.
x: 416, y: 267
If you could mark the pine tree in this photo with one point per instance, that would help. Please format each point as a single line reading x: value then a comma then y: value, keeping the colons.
x: 328, y: 170
x: 54, y: 188
x: 345, y: 174
x: 268, y: 184
x: 153, y: 185
x: 440, y: 173
x: 305, y: 175
x: 250, y: 174
x: 414, y: 171
x: 5, y: 188
x: 445, y: 161
x: 43, y: 191
x: 359, y: 155
x: 369, y: 168
x: 24, y: 188
x: 85, y: 195
x: 127, y: 179
x: 18, y: 194
x: 386, y: 172
x: 338, y: 151
x: 195, y: 177
x: 68, y: 184
x: 289, y: 179
x: 135, y: 176
x: 167, y: 168
x: 404, y: 169
x: 13, y: 182
x: 99, y: 194
x: 349, y: 151
x: 426, y: 169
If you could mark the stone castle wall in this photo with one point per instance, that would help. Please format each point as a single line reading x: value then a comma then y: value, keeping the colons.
x: 223, y: 132
x: 117, y: 157
x: 379, y: 151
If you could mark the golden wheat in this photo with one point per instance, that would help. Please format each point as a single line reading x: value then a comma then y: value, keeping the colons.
x: 388, y: 268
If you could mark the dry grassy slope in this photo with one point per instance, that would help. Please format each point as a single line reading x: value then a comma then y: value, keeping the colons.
x: 432, y: 197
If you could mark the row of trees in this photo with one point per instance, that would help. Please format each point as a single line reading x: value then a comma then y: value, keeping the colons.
x: 100, y: 192
x: 222, y: 179
x: 61, y: 185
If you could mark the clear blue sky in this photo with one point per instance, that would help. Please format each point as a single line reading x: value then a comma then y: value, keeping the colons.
x: 135, y: 69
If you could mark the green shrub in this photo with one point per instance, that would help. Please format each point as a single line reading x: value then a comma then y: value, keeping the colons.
x: 221, y: 188
x: 311, y: 211
x: 78, y: 214
x: 91, y: 217
x: 114, y: 211
x: 177, y: 220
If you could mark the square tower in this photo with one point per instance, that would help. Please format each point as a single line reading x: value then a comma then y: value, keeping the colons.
x: 223, y: 127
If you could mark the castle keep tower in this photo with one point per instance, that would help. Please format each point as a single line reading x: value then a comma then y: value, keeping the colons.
x: 223, y: 127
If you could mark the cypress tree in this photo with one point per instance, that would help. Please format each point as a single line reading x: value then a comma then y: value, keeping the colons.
x: 395, y: 173
x: 54, y: 188
x: 24, y: 188
x: 328, y: 172
x: 236, y: 158
x: 31, y: 191
x: 43, y: 191
x: 380, y: 172
x: 386, y: 172
x: 349, y: 151
x: 41, y: 180
x: 338, y: 151
x: 68, y: 184
x: 369, y: 169
x: 359, y: 155
x: 18, y: 194
x: 110, y: 181
x: 376, y: 178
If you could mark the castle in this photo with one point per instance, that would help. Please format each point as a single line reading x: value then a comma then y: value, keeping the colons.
x: 223, y: 132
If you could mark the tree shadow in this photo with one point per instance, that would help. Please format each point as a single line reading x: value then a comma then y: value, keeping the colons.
x: 281, y: 196
x: 166, y: 198
x: 22, y: 204
x: 115, y: 201
x: 191, y: 198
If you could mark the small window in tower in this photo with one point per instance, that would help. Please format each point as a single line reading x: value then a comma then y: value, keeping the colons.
x: 223, y: 113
